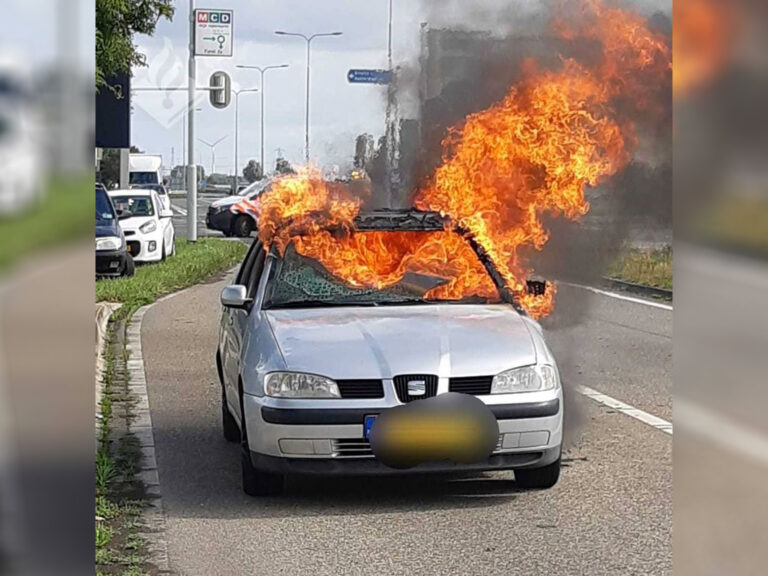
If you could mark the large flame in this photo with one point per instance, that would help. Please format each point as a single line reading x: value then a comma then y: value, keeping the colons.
x: 534, y: 152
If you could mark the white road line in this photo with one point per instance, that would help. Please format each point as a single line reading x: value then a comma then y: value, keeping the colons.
x: 721, y: 431
x: 179, y: 210
x: 626, y: 409
x: 621, y: 296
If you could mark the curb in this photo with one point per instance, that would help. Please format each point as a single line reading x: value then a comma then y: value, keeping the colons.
x: 153, y: 514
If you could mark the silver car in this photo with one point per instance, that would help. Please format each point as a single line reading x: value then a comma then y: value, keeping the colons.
x: 307, y: 363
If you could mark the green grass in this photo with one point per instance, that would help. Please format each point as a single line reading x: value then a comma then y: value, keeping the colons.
x: 65, y: 214
x: 193, y: 263
x: 645, y: 267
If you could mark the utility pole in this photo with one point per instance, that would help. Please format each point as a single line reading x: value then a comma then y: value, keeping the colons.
x: 191, y: 167
x: 261, y: 71
x: 308, y: 40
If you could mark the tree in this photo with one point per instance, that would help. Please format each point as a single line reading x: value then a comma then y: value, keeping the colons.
x: 282, y: 166
x: 116, y: 23
x: 252, y: 172
x: 109, y: 167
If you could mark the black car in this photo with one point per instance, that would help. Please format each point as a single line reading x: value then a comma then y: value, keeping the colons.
x: 112, y: 258
x: 242, y: 221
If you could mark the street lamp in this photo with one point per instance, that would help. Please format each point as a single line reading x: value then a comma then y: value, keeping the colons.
x: 237, y: 131
x: 213, y: 150
x: 308, y: 40
x: 184, y: 147
x: 262, y: 70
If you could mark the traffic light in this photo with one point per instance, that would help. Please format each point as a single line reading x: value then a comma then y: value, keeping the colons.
x: 221, y: 90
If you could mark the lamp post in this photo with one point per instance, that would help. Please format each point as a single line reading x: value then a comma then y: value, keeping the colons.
x: 213, y: 150
x: 308, y: 40
x: 184, y: 148
x: 262, y: 70
x: 237, y: 131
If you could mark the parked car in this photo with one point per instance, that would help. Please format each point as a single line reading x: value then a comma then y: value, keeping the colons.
x: 149, y: 229
x: 236, y: 215
x: 162, y: 192
x: 112, y: 258
x: 307, y: 362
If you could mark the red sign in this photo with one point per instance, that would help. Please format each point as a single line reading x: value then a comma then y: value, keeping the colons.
x: 202, y: 16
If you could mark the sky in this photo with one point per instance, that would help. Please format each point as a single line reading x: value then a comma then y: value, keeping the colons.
x: 339, y: 111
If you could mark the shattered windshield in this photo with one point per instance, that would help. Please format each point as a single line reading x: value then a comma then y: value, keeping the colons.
x: 379, y: 268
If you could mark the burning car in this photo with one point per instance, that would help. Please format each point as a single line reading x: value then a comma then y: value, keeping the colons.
x: 314, y: 348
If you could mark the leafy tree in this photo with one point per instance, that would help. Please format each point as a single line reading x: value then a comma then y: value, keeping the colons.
x: 116, y: 23
x: 109, y: 167
x: 252, y: 172
x: 282, y: 166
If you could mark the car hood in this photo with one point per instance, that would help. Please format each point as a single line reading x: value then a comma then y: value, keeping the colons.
x: 228, y: 201
x: 111, y: 229
x: 133, y: 224
x: 446, y: 340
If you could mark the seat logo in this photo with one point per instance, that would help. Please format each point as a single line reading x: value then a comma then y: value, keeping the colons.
x: 417, y: 388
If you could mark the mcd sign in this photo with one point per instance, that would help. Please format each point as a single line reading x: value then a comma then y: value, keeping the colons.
x: 208, y: 16
x: 213, y: 32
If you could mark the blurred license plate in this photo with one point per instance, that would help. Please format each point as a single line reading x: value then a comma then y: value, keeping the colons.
x: 368, y: 425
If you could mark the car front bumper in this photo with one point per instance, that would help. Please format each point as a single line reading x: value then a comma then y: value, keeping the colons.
x: 331, y: 440
x: 219, y: 220
x: 111, y: 262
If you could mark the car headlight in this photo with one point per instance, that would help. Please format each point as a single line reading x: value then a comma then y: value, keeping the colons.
x: 150, y: 226
x: 298, y: 385
x: 109, y: 243
x: 528, y: 379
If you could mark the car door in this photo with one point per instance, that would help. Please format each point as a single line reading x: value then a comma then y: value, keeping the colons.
x: 234, y: 326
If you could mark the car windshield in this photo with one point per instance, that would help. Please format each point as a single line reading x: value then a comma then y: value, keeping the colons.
x: 104, y: 211
x: 159, y: 188
x: 138, y: 205
x: 254, y: 189
x: 428, y: 271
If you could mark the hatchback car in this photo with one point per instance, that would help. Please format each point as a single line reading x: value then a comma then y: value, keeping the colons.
x: 162, y: 192
x: 307, y: 362
x: 112, y: 258
x: 148, y: 228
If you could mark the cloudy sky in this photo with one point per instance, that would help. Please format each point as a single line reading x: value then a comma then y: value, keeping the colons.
x: 340, y: 111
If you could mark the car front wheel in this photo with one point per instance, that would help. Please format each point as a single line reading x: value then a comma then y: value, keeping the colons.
x: 242, y: 226
x: 228, y: 422
x: 544, y: 477
x: 257, y: 482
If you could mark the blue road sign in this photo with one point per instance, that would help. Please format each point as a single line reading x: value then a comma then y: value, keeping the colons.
x: 369, y: 76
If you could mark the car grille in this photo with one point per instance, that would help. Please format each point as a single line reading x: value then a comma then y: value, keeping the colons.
x: 474, y: 385
x: 135, y: 247
x: 352, y: 448
x: 401, y: 386
x: 130, y: 233
x: 361, y: 388
x: 361, y: 447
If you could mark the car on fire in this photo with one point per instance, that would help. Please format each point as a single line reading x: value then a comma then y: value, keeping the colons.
x: 307, y: 361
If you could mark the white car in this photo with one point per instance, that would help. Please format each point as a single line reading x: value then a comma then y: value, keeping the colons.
x: 149, y: 231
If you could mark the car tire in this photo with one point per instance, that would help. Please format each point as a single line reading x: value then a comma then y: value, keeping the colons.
x: 257, y: 483
x: 242, y: 226
x: 173, y: 245
x: 130, y: 266
x: 228, y: 422
x: 163, y: 255
x: 544, y: 477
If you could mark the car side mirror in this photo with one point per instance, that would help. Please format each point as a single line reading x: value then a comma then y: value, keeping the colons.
x: 166, y: 213
x: 124, y: 215
x: 235, y: 297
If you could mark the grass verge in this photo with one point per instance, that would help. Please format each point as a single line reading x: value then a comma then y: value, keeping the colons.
x: 645, y: 267
x: 120, y: 497
x: 193, y: 263
x: 66, y: 213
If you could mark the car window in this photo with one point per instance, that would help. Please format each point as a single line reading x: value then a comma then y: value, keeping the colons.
x: 105, y: 213
x: 138, y: 205
x: 245, y: 270
x: 255, y: 273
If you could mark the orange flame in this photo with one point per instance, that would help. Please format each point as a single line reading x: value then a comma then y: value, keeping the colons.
x: 534, y: 152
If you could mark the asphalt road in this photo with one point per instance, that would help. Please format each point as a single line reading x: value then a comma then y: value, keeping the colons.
x: 179, y: 207
x: 610, y: 513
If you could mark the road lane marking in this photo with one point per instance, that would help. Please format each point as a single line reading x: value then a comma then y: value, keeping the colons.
x: 721, y: 431
x: 179, y: 210
x: 626, y: 409
x: 621, y: 296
